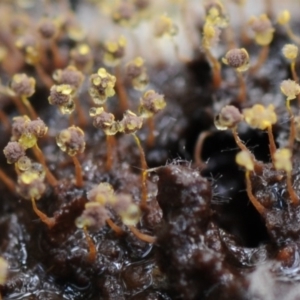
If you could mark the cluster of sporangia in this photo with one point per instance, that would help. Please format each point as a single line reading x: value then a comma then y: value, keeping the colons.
x: 263, y: 118
x: 27, y: 130
x: 64, y: 86
x: 258, y: 116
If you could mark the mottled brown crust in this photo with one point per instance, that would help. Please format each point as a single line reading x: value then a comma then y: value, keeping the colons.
x: 13, y: 151
x: 57, y: 97
x: 123, y: 12
x: 37, y: 128
x: 71, y: 140
x: 149, y: 101
x: 261, y: 25
x: 122, y: 203
x: 133, y: 71
x: 229, y: 116
x: 104, y: 120
x: 47, y: 28
x: 131, y: 123
x: 33, y: 190
x: 94, y: 216
x: 22, y: 85
x: 236, y: 58
x: 69, y: 75
x: 19, y: 125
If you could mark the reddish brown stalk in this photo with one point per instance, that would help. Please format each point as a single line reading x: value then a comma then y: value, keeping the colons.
x: 257, y: 166
x: 5, y: 120
x: 117, y: 229
x: 110, y: 143
x: 50, y: 222
x: 238, y: 141
x: 46, y: 79
x: 294, y: 73
x: 57, y: 59
x: 272, y: 145
x: 78, y: 172
x: 40, y: 157
x: 263, y: 55
x: 31, y: 110
x: 92, y: 248
x: 144, y: 168
x: 258, y: 206
x: 120, y: 89
x: 216, y: 69
x: 82, y: 120
x: 142, y: 236
x: 19, y: 105
x: 199, y: 147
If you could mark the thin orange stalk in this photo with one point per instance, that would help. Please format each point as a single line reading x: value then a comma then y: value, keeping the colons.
x: 257, y: 166
x: 4, y: 119
x: 238, y: 141
x: 272, y: 145
x: 120, y: 89
x: 19, y: 105
x: 263, y: 54
x: 216, y: 69
x: 46, y: 79
x: 82, y: 120
x: 40, y: 157
x: 50, y: 222
x: 293, y: 71
x: 142, y: 236
x: 110, y: 142
x: 258, y: 206
x: 144, y: 168
x: 57, y: 59
x: 92, y: 248
x: 78, y: 172
x: 199, y: 147
x: 117, y: 229
x: 31, y: 110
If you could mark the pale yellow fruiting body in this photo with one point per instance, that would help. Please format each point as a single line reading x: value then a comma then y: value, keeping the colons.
x: 102, y: 86
x: 290, y: 89
x: 244, y: 159
x: 237, y: 59
x: 283, y: 160
x: 136, y: 72
x: 290, y: 51
x: 262, y: 28
x: 284, y: 17
x: 260, y: 117
x: 215, y: 14
x: 164, y: 26
x: 228, y: 118
x: 103, y: 194
x: 114, y: 51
